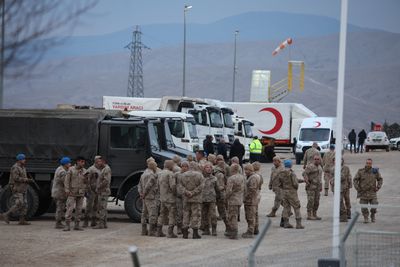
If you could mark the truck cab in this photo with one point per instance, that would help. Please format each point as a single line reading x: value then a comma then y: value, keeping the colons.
x: 244, y: 132
x: 319, y: 129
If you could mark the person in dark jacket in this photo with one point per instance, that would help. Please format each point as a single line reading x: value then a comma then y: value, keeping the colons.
x: 222, y: 149
x: 361, y: 139
x: 208, y: 145
x: 352, y: 139
x: 237, y: 150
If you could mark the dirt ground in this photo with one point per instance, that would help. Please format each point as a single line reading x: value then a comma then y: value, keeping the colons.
x: 40, y: 244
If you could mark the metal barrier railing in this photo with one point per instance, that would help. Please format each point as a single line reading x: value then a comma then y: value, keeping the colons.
x: 254, y: 246
x: 135, y: 258
x: 350, y: 225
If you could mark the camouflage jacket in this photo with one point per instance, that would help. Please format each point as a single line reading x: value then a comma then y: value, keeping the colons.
x: 75, y: 182
x: 58, y: 190
x: 345, y: 178
x: 313, y: 177
x: 235, y: 190
x: 193, y: 182
x: 252, y: 191
x: 148, y: 185
x: 104, y: 181
x: 327, y: 160
x: 93, y: 174
x: 273, y: 180
x: 18, y: 179
x: 288, y: 180
x: 367, y: 182
x: 309, y: 155
x: 167, y: 186
x: 210, y: 189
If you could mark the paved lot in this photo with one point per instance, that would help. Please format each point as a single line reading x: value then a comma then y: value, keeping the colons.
x: 40, y: 244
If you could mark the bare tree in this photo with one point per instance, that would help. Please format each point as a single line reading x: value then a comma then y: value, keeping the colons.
x: 30, y: 27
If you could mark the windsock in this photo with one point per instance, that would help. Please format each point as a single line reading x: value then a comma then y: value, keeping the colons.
x: 287, y: 42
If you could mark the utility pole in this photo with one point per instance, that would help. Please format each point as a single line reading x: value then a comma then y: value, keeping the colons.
x: 234, y: 68
x: 2, y: 54
x: 135, y: 80
x: 185, y: 9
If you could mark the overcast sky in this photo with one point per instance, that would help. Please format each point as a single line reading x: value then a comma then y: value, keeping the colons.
x: 113, y: 15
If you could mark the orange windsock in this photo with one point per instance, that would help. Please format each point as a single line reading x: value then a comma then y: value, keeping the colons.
x: 281, y: 46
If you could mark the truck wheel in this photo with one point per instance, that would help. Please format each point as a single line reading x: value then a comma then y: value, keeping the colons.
x: 133, y: 204
x: 298, y: 159
x: 6, y: 201
x: 44, y: 204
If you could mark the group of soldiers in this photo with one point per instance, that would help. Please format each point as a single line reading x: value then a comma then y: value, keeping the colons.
x: 71, y: 185
x: 367, y: 183
x: 188, y: 194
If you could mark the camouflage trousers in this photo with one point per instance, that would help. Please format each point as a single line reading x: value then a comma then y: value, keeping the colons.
x: 77, y: 203
x: 221, y: 206
x: 290, y: 199
x: 278, y: 198
x: 191, y: 215
x: 60, y: 208
x: 102, y: 202
x: 313, y: 196
x: 91, y: 205
x: 233, y: 217
x: 179, y: 211
x: 250, y: 213
x: 208, y: 214
x: 167, y: 214
x: 371, y: 201
x: 347, y: 203
x: 20, y: 205
x: 327, y: 179
x: 150, y: 211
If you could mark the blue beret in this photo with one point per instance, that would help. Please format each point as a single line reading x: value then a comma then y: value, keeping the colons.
x: 20, y: 156
x: 287, y: 163
x: 65, y: 160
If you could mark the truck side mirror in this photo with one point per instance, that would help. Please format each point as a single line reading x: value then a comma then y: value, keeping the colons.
x: 333, y: 141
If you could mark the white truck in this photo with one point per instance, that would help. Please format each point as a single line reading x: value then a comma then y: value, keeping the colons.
x: 280, y: 121
x: 318, y: 129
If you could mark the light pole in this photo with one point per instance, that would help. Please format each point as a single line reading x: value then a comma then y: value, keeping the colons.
x: 185, y: 9
x: 234, y: 68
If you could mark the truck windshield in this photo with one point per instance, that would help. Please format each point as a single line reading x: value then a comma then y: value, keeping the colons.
x: 228, y: 120
x: 176, y: 128
x: 311, y: 134
x: 192, y: 128
x: 215, y: 119
x: 154, y: 140
x: 200, y: 117
x: 168, y: 136
x: 247, y: 129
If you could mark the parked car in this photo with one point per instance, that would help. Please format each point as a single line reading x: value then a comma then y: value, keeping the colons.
x: 376, y: 140
x: 394, y: 143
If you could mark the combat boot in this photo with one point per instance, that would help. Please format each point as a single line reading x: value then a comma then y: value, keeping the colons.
x: 67, y: 226
x: 233, y: 235
x: 272, y: 213
x: 59, y: 225
x: 99, y: 226
x: 144, y: 229
x: 281, y: 224
x: 196, y: 233
x: 22, y: 221
x: 77, y: 227
x: 185, y: 233
x: 206, y: 230
x: 256, y: 231
x: 214, y: 230
x: 171, y: 232
x: 159, y: 231
x: 348, y: 214
x: 326, y: 192
x: 298, y: 224
x: 372, y: 217
x: 286, y: 223
x: 247, y: 234
x: 93, y: 222
x: 366, y: 220
x: 153, y: 230
x: 315, y: 215
x: 85, y: 222
x: 105, y: 224
x: 179, y: 229
x: 4, y: 216
x: 310, y: 216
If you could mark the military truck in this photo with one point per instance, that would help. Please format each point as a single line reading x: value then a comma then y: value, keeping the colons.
x: 45, y: 136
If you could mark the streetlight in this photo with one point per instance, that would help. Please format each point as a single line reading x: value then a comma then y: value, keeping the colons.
x: 234, y: 68
x: 185, y: 9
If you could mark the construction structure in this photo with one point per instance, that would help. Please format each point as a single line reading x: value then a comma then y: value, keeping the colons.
x: 135, y: 80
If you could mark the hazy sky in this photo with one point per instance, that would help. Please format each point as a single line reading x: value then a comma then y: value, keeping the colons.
x: 113, y: 15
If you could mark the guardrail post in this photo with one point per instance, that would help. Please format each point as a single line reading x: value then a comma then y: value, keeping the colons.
x: 253, y: 247
x: 134, y: 253
x: 349, y: 227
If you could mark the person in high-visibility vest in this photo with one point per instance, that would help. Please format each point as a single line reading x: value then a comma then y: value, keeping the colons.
x: 255, y: 150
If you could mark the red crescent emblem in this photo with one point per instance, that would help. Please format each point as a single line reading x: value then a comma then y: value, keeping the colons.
x: 278, y: 123
x: 317, y: 124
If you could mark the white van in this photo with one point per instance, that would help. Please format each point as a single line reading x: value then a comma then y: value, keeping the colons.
x: 319, y: 129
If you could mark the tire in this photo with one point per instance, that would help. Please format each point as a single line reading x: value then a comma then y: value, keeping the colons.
x: 298, y: 159
x: 44, y: 205
x: 32, y: 197
x: 133, y: 204
x: 387, y: 149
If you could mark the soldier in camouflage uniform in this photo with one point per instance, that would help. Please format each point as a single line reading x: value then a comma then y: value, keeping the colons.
x: 179, y: 200
x: 327, y: 163
x: 345, y: 181
x: 251, y: 198
x: 148, y: 188
x: 367, y: 182
x: 192, y: 184
x: 200, y: 159
x: 167, y: 187
x: 103, y: 191
x: 212, y: 158
x: 289, y: 184
x: 219, y: 172
x: 257, y: 170
x: 234, y: 196
x: 210, y: 192
x: 313, y: 179
x: 58, y: 190
x: 310, y: 154
x: 177, y: 163
x: 75, y: 187
x: 93, y: 172
x: 19, y: 185
x: 274, y: 185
